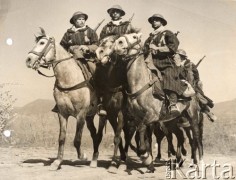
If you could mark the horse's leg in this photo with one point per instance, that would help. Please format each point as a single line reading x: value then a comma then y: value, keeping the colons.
x: 145, y: 156
x: 129, y: 130
x: 117, y: 127
x: 201, y: 130
x: 159, y: 137
x: 63, y: 119
x: 93, y: 133
x: 137, y: 141
x: 150, y: 129
x: 180, y: 142
x: 78, y: 134
x: 171, y: 149
x: 183, y: 150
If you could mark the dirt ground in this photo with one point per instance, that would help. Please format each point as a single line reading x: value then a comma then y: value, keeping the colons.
x: 34, y: 163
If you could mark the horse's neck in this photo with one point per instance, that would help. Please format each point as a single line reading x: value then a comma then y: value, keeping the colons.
x: 137, y: 75
x: 67, y: 72
x: 116, y: 74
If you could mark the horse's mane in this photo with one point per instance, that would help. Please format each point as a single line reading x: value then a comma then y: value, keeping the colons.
x: 108, y: 38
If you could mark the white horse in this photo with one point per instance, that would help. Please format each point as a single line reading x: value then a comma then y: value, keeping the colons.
x: 73, y: 94
x: 143, y: 104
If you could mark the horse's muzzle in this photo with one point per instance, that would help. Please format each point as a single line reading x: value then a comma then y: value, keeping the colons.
x: 28, y: 62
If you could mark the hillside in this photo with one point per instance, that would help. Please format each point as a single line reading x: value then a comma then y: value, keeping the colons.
x: 223, y: 110
x: 39, y: 106
x: 226, y: 109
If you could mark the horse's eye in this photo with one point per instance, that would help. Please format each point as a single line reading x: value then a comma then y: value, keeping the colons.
x: 41, y: 43
x: 135, y: 37
x: 101, y: 51
x: 120, y: 42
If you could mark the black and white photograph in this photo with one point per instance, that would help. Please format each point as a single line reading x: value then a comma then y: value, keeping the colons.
x: 117, y: 89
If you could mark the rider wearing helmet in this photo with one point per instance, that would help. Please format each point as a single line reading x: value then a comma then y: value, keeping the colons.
x: 191, y: 74
x: 161, y: 45
x: 80, y: 39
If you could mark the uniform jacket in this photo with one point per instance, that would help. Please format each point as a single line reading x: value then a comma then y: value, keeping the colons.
x: 190, y: 72
x: 112, y: 29
x: 167, y: 38
x: 163, y: 59
x: 72, y: 37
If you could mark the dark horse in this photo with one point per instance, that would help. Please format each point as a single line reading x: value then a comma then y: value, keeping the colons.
x: 111, y: 80
x: 73, y: 94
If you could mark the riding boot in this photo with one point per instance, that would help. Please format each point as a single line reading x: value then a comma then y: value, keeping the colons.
x: 173, y: 108
x: 101, y: 109
x: 209, y: 114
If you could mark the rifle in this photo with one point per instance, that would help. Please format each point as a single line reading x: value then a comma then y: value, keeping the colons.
x: 200, y: 61
x: 131, y: 18
x: 99, y: 24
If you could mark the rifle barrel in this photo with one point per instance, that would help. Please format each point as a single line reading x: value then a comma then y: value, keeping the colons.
x: 200, y: 61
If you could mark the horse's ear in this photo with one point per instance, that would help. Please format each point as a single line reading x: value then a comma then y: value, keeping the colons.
x: 42, y: 31
x: 137, y: 30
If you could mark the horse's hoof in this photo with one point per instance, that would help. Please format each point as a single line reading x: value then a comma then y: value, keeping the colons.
x: 146, y: 159
x: 159, y: 160
x: 56, y: 165
x: 83, y: 157
x: 150, y: 171
x: 122, y: 166
x: 193, y: 166
x: 113, y: 168
x: 93, y: 164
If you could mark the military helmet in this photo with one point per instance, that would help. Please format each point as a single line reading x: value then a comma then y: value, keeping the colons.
x: 157, y: 16
x: 117, y: 7
x: 181, y: 52
x: 76, y: 15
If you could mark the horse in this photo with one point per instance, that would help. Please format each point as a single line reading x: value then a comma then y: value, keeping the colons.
x: 111, y: 83
x: 144, y: 106
x: 74, y: 95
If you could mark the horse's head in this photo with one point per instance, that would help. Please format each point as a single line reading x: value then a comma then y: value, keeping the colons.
x: 105, y: 49
x: 43, y: 52
x: 128, y: 44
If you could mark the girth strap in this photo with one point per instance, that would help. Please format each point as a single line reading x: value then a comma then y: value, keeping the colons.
x: 77, y: 86
x: 144, y: 88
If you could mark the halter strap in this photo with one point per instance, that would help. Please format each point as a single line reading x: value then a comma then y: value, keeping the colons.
x: 45, y: 49
x: 144, y: 88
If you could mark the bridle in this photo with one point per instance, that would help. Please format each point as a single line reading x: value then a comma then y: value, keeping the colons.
x: 132, y: 46
x: 42, y: 55
x: 129, y: 59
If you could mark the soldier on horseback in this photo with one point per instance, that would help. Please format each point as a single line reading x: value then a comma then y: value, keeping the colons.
x: 81, y: 41
x: 116, y: 27
x: 191, y: 74
x: 162, y: 44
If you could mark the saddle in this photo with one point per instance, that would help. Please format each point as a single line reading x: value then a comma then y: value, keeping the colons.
x: 156, y: 74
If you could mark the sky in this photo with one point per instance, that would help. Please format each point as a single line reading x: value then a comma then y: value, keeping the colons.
x: 207, y: 27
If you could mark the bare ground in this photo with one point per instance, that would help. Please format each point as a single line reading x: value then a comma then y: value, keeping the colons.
x: 34, y: 163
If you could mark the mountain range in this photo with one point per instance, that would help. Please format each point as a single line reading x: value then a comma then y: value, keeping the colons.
x: 224, y: 110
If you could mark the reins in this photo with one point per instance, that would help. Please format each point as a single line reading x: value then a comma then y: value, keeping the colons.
x: 42, y: 55
x: 131, y: 59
